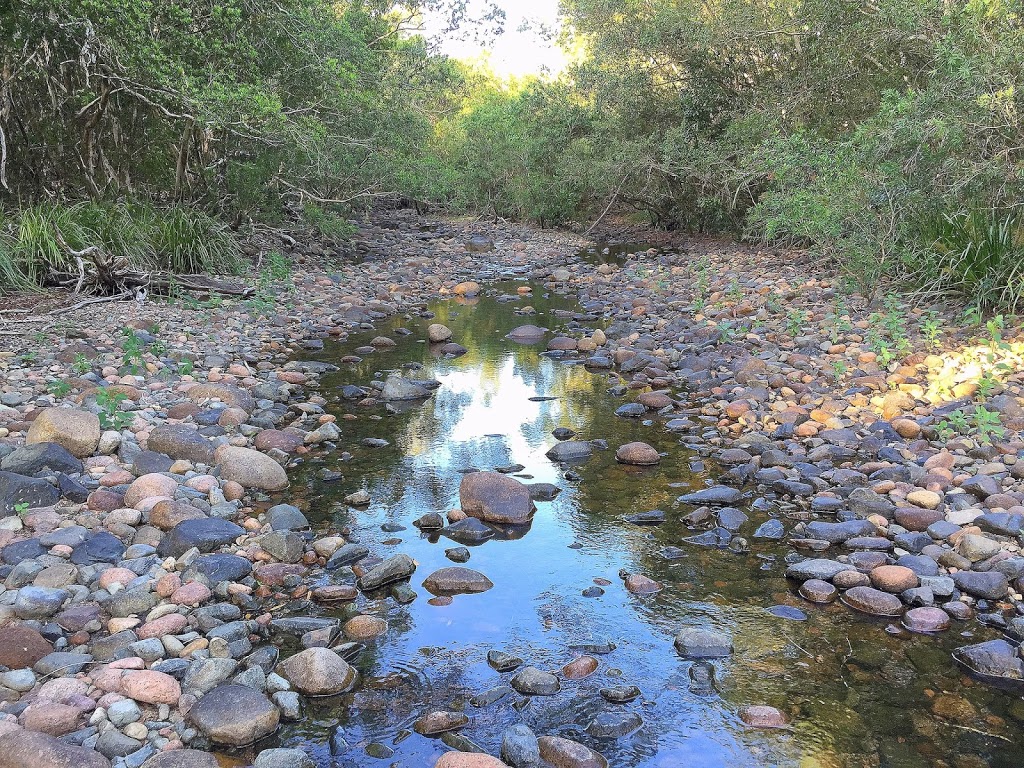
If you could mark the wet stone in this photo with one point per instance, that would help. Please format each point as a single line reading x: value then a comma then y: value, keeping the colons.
x: 614, y: 725
x: 503, y: 662
x: 531, y: 681
x: 818, y: 591
x: 873, y: 601
x: 926, y: 620
x: 698, y: 643
x: 620, y: 694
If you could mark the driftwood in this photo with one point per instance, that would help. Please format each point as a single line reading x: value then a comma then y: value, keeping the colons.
x: 100, y: 273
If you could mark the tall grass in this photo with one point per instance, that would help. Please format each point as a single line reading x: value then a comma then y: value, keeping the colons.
x: 36, y: 241
x: 979, y: 255
x: 189, y: 241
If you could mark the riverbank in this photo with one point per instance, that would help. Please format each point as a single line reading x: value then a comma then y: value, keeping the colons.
x: 145, y: 571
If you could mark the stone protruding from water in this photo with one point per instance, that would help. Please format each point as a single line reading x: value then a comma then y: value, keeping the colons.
x: 496, y: 498
x: 700, y: 643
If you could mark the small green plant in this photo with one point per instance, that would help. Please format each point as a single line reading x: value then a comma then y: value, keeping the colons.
x: 185, y: 367
x: 132, y: 350
x: 972, y: 316
x: 955, y: 423
x: 21, y: 509
x: 111, y: 415
x: 987, y: 425
x: 59, y: 388
x: 735, y: 291
x: 987, y: 385
x: 158, y: 347
x: 795, y: 320
x: 81, y: 364
x: 931, y: 330
x: 29, y: 356
x: 839, y: 369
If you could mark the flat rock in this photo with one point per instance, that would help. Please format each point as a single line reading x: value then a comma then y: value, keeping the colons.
x: 699, y: 643
x: 30, y: 749
x: 455, y: 580
x: 717, y: 494
x: 873, y: 601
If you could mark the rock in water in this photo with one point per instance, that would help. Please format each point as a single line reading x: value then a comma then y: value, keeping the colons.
x: 563, y: 753
x: 234, y: 715
x: 638, y: 453
x: 496, y: 498
x: 571, y: 450
x: 319, y: 672
x: 398, y: 388
x: 531, y: 681
x: 395, y: 568
x: 527, y: 334
x: 995, y: 661
x: 438, y: 333
x: 697, y: 643
x: 456, y: 581
x: 76, y: 430
x: 717, y: 494
x: 468, y: 760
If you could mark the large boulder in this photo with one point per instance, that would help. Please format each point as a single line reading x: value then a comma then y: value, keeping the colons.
x: 319, y: 672
x: 18, y: 489
x: 76, y: 430
x: 181, y: 441
x: 41, y: 457
x: 496, y: 498
x: 30, y: 749
x: 251, y: 469
x: 234, y: 715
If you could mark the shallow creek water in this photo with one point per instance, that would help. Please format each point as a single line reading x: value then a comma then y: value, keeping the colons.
x: 855, y: 695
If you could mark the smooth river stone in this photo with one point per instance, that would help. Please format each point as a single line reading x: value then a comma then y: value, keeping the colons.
x: 762, y: 716
x: 563, y: 753
x: 456, y: 580
x: 818, y: 591
x: 926, y: 620
x: 873, y: 601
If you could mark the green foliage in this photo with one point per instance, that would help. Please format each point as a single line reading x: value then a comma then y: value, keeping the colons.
x: 980, y: 256
x: 982, y: 424
x: 188, y: 241
x: 21, y: 509
x: 111, y: 415
x: 327, y: 223
x: 59, y: 388
x: 131, y: 350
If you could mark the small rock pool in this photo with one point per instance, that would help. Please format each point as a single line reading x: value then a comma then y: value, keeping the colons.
x: 854, y: 694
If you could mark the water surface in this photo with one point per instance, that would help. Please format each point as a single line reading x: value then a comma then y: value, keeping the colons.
x: 856, y: 695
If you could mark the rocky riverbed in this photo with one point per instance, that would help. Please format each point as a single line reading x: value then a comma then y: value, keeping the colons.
x: 707, y: 505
